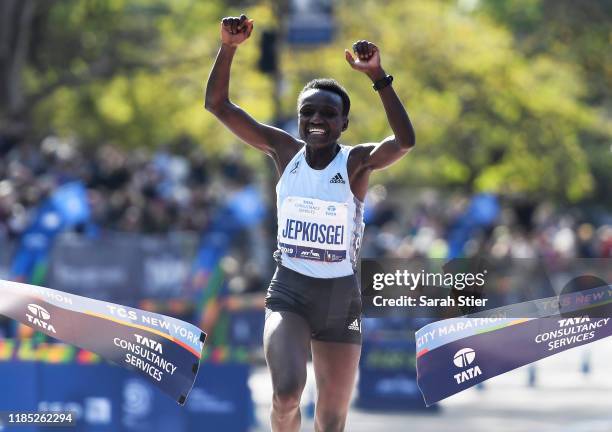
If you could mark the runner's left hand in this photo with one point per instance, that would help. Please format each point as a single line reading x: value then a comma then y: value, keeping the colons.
x: 367, y: 57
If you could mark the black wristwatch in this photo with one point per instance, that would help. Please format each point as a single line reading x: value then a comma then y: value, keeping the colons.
x: 382, y: 83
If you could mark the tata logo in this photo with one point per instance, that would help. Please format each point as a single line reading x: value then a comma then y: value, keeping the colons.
x: 331, y: 210
x: 462, y: 359
x: 39, y: 317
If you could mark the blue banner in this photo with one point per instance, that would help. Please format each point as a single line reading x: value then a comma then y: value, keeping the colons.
x: 107, y: 268
x: 65, y: 208
x: 243, y: 209
x: 164, y: 350
x: 71, y: 203
x: 482, y: 211
x: 387, y: 376
x: 123, y: 268
x: 458, y: 353
x: 108, y: 398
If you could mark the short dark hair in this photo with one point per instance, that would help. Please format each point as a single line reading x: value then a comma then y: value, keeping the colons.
x: 330, y: 85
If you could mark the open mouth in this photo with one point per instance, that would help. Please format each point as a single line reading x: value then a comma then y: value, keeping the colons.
x: 316, y: 131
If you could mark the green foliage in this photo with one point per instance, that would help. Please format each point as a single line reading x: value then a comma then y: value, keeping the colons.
x: 489, y: 114
x: 572, y: 32
x: 577, y: 32
x: 487, y: 117
x: 149, y: 89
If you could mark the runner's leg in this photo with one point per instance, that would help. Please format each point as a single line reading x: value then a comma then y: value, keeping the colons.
x: 286, y: 345
x: 335, y: 365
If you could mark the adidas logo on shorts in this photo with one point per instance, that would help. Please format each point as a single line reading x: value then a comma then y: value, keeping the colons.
x: 355, y: 325
x: 337, y: 179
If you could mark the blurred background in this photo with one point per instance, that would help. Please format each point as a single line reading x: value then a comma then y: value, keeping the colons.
x: 116, y: 184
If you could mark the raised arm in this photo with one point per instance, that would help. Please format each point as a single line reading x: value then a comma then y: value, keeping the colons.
x: 380, y: 155
x: 273, y: 141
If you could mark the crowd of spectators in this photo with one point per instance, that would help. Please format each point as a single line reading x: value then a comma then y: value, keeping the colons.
x: 175, y: 188
x: 530, y: 250
x: 178, y: 188
x: 408, y: 224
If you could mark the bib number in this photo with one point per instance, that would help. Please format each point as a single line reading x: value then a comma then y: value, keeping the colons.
x: 313, y: 229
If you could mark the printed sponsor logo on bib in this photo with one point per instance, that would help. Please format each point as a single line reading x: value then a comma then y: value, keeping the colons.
x: 313, y: 229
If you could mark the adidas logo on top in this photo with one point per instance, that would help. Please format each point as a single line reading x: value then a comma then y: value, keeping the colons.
x: 355, y: 325
x: 295, y: 167
x: 337, y: 179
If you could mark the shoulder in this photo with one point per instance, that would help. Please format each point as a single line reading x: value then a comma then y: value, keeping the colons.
x: 361, y: 150
x: 284, y: 154
x: 359, y: 154
x: 358, y: 169
x: 289, y: 146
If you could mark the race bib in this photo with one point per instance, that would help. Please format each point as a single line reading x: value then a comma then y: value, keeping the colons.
x: 313, y: 229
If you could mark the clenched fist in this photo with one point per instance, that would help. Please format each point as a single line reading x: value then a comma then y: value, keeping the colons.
x: 368, y: 58
x: 235, y: 30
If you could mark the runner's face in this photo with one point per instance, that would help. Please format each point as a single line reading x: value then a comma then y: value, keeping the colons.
x: 320, y: 119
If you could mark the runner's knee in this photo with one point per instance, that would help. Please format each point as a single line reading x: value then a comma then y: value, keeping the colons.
x: 330, y: 421
x: 287, y: 396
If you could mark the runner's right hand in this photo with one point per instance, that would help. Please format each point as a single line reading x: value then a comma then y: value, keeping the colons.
x: 235, y: 30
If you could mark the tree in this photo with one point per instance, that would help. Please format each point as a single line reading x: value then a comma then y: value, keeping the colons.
x: 489, y: 114
x: 576, y: 33
x: 487, y: 117
x: 16, y: 18
x: 131, y: 72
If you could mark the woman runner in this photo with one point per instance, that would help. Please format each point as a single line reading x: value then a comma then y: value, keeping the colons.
x: 313, y: 304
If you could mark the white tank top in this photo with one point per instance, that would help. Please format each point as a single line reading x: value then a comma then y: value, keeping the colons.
x: 320, y: 221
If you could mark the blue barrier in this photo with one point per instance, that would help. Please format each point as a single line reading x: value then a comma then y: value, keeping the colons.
x: 123, y: 268
x: 387, y: 376
x: 246, y: 328
x: 108, y: 398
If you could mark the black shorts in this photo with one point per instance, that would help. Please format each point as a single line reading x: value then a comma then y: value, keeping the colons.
x: 332, y: 307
